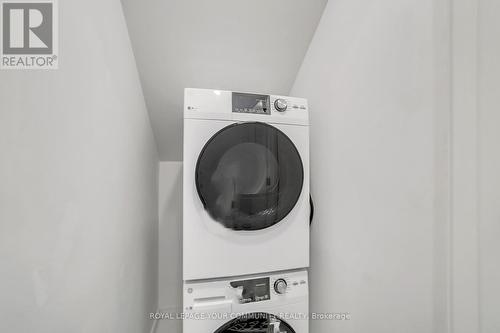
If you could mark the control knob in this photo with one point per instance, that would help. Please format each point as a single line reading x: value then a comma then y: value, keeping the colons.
x: 280, y: 105
x: 280, y: 286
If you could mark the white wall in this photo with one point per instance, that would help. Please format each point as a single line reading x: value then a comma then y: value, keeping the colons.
x: 78, y: 185
x: 464, y: 282
x: 170, y: 247
x: 476, y: 160
x: 489, y: 164
x: 377, y: 244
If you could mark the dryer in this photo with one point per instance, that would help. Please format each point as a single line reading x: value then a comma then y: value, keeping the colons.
x: 245, y: 183
x: 273, y: 303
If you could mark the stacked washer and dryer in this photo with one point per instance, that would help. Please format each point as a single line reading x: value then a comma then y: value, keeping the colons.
x: 246, y: 213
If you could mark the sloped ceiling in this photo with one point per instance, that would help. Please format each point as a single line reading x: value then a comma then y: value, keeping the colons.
x: 241, y: 45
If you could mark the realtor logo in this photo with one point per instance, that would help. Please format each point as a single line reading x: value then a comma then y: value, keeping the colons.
x: 29, y: 34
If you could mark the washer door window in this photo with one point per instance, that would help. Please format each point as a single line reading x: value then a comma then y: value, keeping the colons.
x: 249, y: 176
x: 257, y: 322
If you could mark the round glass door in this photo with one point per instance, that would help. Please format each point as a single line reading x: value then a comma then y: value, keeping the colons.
x: 249, y: 176
x: 256, y: 323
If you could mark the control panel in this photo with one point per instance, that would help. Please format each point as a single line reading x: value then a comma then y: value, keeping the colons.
x: 254, y: 290
x: 239, y: 293
x: 210, y: 104
x: 251, y: 103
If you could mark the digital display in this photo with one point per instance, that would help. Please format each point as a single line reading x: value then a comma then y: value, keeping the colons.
x: 251, y: 103
x: 255, y: 290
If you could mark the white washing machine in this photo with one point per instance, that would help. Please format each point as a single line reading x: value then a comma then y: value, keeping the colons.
x: 276, y: 303
x: 245, y: 184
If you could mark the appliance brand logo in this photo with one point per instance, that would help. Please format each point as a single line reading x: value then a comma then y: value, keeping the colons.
x: 29, y: 34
